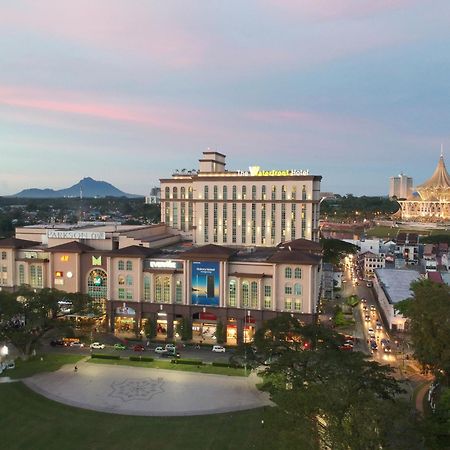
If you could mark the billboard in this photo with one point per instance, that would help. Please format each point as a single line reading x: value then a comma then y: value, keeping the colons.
x: 205, y: 283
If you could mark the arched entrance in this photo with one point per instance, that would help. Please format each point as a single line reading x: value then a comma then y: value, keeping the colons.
x: 97, y: 288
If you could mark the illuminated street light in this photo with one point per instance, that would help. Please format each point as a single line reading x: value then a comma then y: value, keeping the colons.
x: 4, y: 351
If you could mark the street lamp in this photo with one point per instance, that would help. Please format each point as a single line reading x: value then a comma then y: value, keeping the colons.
x: 4, y: 351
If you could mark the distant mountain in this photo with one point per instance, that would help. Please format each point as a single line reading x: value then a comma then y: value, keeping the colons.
x: 87, y: 187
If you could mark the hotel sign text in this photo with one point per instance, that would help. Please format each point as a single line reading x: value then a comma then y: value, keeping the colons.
x: 73, y: 234
x: 255, y: 171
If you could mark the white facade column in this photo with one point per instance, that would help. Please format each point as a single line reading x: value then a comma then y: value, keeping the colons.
x: 274, y: 287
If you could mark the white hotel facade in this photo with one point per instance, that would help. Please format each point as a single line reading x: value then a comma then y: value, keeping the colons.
x: 241, y: 208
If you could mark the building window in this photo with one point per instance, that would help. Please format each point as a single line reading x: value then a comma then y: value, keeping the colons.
x: 183, y: 192
x: 232, y: 293
x: 254, y: 294
x: 121, y: 265
x: 233, y: 223
x: 253, y: 192
x: 167, y: 192
x: 287, y: 304
x: 283, y: 192
x: 121, y: 280
x: 178, y: 292
x: 297, y: 305
x: 158, y: 289
x: 205, y: 221
x: 129, y: 280
x: 294, y: 193
x: 287, y: 272
x: 267, y: 297
x: 147, y: 289
x: 175, y: 193
x: 21, y: 274
x: 97, y: 284
x: 215, y: 192
x: 244, y: 223
x: 303, y: 214
x: 225, y: 193
x: 4, y: 275
x: 215, y: 222
x: 175, y: 215
x: 166, y: 290
x: 234, y: 192
x: 224, y: 223
x: 3, y: 256
x: 263, y: 192
x: 121, y: 294
x: 129, y: 265
x: 36, y: 279
x: 263, y: 223
x: 245, y: 294
x: 303, y: 192
x: 288, y: 289
x: 272, y: 223
x: 283, y: 222
x: 206, y: 192
x: 293, y: 219
x: 297, y: 289
x: 253, y: 224
x: 129, y: 295
x: 298, y: 273
x: 274, y: 192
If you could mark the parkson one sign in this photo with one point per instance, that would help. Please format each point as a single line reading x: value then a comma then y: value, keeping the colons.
x: 255, y: 171
x: 74, y: 234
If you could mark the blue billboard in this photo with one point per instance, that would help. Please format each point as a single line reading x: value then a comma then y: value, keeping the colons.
x: 205, y: 283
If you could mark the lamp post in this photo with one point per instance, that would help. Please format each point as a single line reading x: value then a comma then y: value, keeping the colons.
x: 4, y: 351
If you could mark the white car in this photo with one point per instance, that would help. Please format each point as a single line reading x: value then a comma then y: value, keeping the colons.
x: 160, y: 350
x: 97, y: 345
x: 77, y: 344
x: 218, y: 348
x: 170, y: 347
x: 10, y: 365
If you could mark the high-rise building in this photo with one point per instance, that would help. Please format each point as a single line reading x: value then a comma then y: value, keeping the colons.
x: 251, y: 207
x: 401, y: 186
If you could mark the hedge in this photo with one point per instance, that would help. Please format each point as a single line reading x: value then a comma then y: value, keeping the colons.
x: 103, y: 356
x: 193, y: 362
x: 141, y: 358
x: 221, y: 364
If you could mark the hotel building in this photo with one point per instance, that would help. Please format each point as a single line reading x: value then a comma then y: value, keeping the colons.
x: 196, y: 266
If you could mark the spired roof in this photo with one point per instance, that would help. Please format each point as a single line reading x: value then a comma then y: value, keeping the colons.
x: 438, y: 186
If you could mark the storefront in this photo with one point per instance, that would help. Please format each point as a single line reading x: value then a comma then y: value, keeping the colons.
x: 125, y: 324
x: 232, y: 331
x: 249, y: 329
x: 161, y: 325
x: 204, y: 327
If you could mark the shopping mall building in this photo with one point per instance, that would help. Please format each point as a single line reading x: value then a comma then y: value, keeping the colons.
x: 234, y: 247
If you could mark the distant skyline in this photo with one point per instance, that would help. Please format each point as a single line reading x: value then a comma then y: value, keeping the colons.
x: 128, y: 91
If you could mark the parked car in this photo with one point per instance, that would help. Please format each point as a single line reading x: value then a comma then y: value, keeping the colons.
x: 169, y: 354
x: 97, y: 345
x: 170, y: 346
x: 120, y: 346
x: 57, y: 343
x: 139, y: 348
x: 218, y: 349
x: 159, y: 350
x: 346, y: 347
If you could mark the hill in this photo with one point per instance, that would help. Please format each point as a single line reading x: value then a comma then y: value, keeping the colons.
x: 87, y: 187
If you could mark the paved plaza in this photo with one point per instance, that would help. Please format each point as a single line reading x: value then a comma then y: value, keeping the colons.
x: 148, y: 392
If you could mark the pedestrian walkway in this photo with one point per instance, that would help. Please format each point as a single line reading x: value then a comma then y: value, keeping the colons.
x: 148, y: 392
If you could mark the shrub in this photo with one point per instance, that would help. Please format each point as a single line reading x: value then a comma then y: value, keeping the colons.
x: 193, y: 362
x: 103, y: 356
x: 221, y: 364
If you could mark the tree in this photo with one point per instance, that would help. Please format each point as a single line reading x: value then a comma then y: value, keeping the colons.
x: 429, y: 314
x: 334, y: 250
x: 341, y: 397
x: 221, y: 332
x: 150, y: 328
x: 25, y: 316
x: 184, y: 329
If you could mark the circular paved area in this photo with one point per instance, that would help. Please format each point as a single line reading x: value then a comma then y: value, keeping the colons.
x: 148, y: 392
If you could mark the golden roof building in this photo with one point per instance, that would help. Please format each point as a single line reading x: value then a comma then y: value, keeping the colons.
x: 432, y: 201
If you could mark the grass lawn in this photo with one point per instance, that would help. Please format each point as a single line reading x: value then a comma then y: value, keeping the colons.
x: 164, y: 364
x: 384, y: 231
x: 34, y: 364
x: 30, y: 421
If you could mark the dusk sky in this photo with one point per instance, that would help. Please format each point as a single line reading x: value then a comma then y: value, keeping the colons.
x: 128, y: 91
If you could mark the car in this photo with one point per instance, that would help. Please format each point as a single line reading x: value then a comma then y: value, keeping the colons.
x: 76, y: 344
x: 97, y: 345
x: 120, y: 346
x: 346, y: 347
x: 169, y: 354
x: 387, y: 349
x: 363, y: 300
x: 372, y: 308
x: 371, y: 332
x: 379, y: 326
x: 373, y: 345
x: 218, y: 349
x: 159, y: 350
x: 10, y: 365
x: 367, y: 318
x: 170, y: 347
x: 369, y: 284
x: 57, y: 343
x: 384, y: 342
x: 139, y: 348
x: 364, y: 308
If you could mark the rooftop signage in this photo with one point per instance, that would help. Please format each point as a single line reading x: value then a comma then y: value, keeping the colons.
x: 164, y: 264
x: 255, y: 171
x: 74, y: 234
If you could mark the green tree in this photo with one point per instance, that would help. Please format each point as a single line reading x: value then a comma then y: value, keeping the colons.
x: 437, y: 425
x: 221, y: 332
x: 429, y: 314
x: 334, y: 250
x: 342, y: 398
x: 184, y: 329
x: 150, y: 328
x: 25, y: 316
